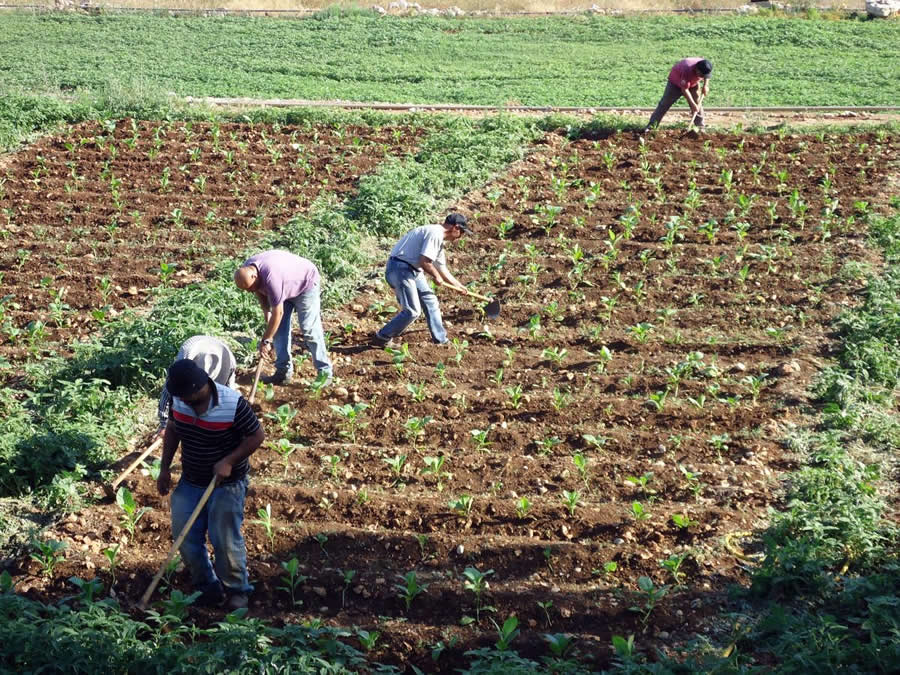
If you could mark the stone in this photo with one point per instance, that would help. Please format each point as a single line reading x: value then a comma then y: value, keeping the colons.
x: 882, y: 8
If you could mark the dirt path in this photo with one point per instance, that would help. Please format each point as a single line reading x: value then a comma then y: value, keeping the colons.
x: 717, y: 117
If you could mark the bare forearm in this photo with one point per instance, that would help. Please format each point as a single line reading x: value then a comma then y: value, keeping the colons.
x: 432, y: 271
x: 170, y: 445
x: 275, y: 316
x: 448, y: 277
x: 690, y: 99
x: 247, y: 447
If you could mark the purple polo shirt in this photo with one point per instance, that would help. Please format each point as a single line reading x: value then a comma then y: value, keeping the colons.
x: 283, y: 275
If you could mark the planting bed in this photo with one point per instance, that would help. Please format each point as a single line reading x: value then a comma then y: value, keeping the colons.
x: 652, y: 370
x: 91, y: 216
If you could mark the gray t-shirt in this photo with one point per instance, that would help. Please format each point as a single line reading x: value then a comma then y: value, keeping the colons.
x: 209, y: 353
x: 427, y: 240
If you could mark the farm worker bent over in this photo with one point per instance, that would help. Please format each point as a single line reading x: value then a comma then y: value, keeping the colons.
x: 218, y: 432
x: 283, y: 282
x: 420, y: 252
x: 684, y: 80
x: 213, y: 356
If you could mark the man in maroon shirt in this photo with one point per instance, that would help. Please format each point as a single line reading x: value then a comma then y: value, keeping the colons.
x: 684, y: 80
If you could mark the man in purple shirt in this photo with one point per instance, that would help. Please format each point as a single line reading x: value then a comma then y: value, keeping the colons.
x: 283, y: 282
x: 684, y: 80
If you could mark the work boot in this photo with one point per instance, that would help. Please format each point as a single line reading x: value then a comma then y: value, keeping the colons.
x: 278, y: 377
x: 380, y: 341
x: 237, y: 601
x: 213, y: 595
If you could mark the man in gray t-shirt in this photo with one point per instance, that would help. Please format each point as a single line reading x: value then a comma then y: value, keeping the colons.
x: 213, y: 356
x: 421, y: 252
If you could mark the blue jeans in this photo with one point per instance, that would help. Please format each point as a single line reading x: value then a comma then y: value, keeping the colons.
x: 415, y: 296
x: 309, y: 316
x: 222, y: 517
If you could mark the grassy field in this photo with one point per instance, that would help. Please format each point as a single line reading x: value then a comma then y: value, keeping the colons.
x: 551, y: 61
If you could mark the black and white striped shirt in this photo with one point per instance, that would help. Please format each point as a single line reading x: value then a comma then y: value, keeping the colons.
x: 207, y: 438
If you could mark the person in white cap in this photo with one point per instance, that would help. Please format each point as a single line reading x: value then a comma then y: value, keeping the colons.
x: 213, y: 356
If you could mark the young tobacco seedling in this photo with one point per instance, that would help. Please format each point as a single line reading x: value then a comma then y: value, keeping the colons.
x: 545, y: 606
x: 435, y: 467
x: 523, y: 506
x: 462, y: 505
x: 397, y: 464
x: 265, y: 519
x: 514, y: 394
x: 350, y: 418
x: 283, y: 416
x: 639, y: 512
x: 414, y: 428
x: 673, y: 565
x: 571, y: 498
x: 683, y: 521
x: 132, y: 513
x: 410, y: 589
x: 49, y: 554
x: 88, y: 589
x: 348, y: 579
x: 476, y: 582
x: 112, y: 554
x: 508, y: 632
x: 480, y: 438
x: 292, y: 580
x: 545, y: 445
x: 367, y: 638
x: 650, y: 595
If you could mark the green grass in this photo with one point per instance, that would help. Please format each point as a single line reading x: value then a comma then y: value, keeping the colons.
x: 538, y: 61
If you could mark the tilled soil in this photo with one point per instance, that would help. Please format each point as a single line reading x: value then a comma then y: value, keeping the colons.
x: 653, y: 370
x: 90, y: 216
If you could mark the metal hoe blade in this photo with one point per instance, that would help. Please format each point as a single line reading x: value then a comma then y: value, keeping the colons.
x: 492, y: 309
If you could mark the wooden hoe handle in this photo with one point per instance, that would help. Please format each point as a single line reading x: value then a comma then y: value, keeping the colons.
x: 472, y: 293
x: 255, y: 380
x: 187, y: 528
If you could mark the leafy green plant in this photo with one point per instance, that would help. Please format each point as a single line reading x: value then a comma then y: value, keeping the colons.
x: 351, y: 418
x: 476, y: 581
x: 682, y: 521
x: 410, y: 589
x: 132, y: 512
x: 414, y: 428
x: 649, y: 596
x: 291, y: 581
x: 283, y: 416
x: 515, y: 395
x: 639, y: 512
x: 462, y: 505
x: 88, y: 589
x: 571, y: 499
x: 480, y: 437
x: 673, y: 565
x: 506, y: 633
x: 397, y: 465
x: 112, y: 555
x: 367, y: 639
x: 523, y: 506
x: 434, y: 466
x: 176, y: 606
x: 265, y: 519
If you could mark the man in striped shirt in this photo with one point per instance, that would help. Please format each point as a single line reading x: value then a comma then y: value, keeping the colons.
x: 217, y: 431
x: 209, y: 353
